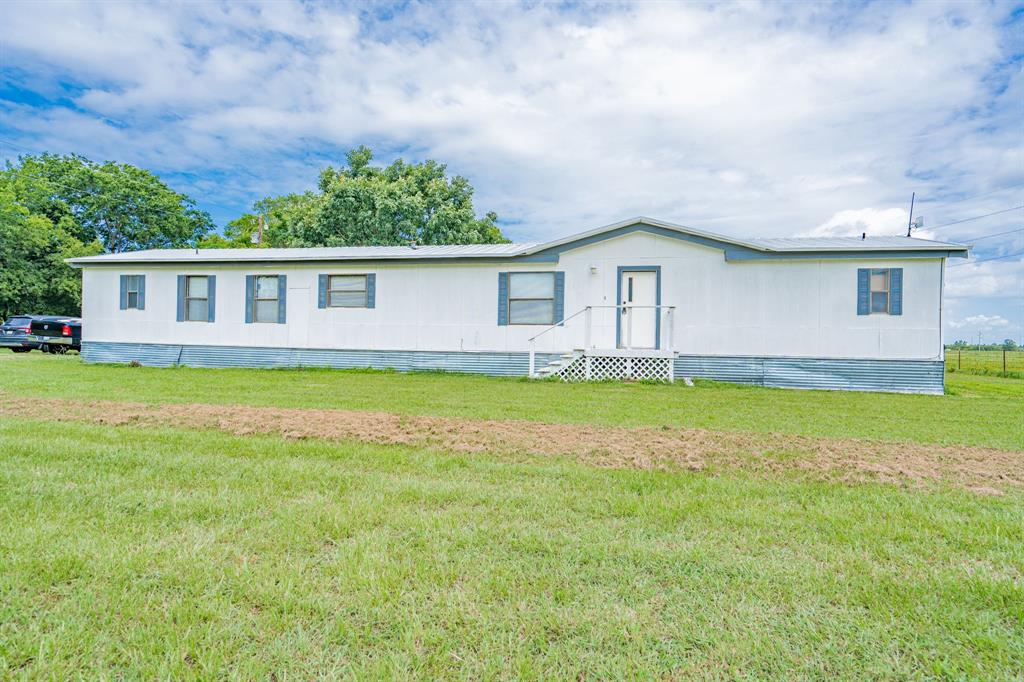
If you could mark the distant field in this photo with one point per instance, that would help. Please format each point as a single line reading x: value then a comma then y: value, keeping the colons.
x: 310, y: 524
x: 987, y: 362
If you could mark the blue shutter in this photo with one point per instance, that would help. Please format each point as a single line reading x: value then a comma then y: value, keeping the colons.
x: 321, y: 292
x: 371, y: 290
x: 142, y: 292
x: 211, y: 294
x: 559, y: 296
x: 181, y: 298
x: 282, y: 298
x: 863, y: 291
x: 124, y: 292
x: 896, y: 291
x: 502, y: 299
x: 250, y: 285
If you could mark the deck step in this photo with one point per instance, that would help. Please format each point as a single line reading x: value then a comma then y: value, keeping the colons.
x: 613, y: 364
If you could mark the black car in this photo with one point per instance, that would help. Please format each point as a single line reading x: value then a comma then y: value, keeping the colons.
x: 57, y: 334
x: 14, y: 333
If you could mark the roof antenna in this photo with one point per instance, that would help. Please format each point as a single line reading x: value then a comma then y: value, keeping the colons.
x: 910, y: 221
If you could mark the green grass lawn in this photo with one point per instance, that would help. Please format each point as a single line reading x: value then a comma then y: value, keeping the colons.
x: 171, y: 553
x: 176, y: 554
x: 978, y: 410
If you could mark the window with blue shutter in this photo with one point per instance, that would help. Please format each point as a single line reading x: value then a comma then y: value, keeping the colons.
x: 347, y: 291
x: 321, y: 291
x: 181, y: 298
x: 282, y: 299
x: 266, y: 298
x: 863, y: 291
x: 534, y: 298
x: 896, y: 291
x: 133, y: 292
x: 559, y: 296
x: 250, y: 293
x: 211, y: 295
x: 502, y: 299
x: 880, y: 291
x: 195, y: 298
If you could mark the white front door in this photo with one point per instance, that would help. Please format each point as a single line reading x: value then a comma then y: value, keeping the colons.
x: 638, y: 318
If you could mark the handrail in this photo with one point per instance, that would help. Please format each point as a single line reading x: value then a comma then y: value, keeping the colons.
x: 587, y: 309
x: 557, y: 324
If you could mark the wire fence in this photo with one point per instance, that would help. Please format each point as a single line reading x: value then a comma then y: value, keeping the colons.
x: 1005, y: 363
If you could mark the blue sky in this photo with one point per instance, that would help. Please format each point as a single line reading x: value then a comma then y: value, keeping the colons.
x: 747, y: 119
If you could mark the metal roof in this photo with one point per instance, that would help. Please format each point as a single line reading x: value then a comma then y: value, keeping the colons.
x: 322, y: 253
x: 512, y: 251
x: 791, y: 244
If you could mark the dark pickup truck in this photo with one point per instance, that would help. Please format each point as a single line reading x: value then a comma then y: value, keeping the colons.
x: 57, y: 334
x: 14, y: 333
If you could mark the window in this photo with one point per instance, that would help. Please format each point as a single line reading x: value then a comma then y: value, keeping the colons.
x: 346, y: 291
x: 531, y: 298
x: 265, y: 302
x: 197, y: 298
x: 880, y: 291
x: 133, y: 285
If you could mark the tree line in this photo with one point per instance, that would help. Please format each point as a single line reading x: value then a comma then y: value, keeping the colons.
x: 54, y: 207
x: 1007, y: 344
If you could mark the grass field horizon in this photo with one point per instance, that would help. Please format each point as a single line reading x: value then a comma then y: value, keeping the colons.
x: 137, y: 549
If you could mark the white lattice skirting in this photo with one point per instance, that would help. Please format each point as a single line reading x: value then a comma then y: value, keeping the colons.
x: 617, y: 368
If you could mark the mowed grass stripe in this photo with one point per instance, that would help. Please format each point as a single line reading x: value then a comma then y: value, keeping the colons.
x: 173, y: 553
x: 981, y: 411
x: 983, y: 470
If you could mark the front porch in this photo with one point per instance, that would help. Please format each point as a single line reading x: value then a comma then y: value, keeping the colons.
x: 590, y: 361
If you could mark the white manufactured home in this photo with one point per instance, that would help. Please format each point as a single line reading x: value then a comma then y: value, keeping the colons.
x: 637, y: 299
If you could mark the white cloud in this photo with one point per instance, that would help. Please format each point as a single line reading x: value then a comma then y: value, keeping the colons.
x: 994, y: 279
x: 751, y: 119
x: 854, y: 222
x: 981, y: 322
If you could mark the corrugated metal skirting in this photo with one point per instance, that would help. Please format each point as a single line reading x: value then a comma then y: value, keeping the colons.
x: 160, y: 355
x: 904, y: 376
x: 900, y: 376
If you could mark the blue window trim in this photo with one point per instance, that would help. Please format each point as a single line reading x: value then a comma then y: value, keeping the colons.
x: 141, y: 292
x: 504, y: 299
x: 618, y: 298
x: 323, y: 290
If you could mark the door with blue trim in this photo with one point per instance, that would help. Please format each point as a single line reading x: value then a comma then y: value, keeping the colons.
x: 638, y: 316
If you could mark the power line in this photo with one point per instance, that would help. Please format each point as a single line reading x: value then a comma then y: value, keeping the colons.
x: 976, y: 196
x: 986, y: 260
x: 997, y: 234
x: 977, y: 217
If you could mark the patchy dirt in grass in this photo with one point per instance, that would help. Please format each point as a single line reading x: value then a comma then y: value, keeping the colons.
x: 983, y: 470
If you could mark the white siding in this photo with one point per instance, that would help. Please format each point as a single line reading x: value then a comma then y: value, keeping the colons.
x: 804, y: 308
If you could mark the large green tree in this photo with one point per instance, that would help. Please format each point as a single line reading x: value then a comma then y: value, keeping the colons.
x: 54, y: 207
x: 361, y: 204
x: 124, y: 207
x: 33, y: 275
